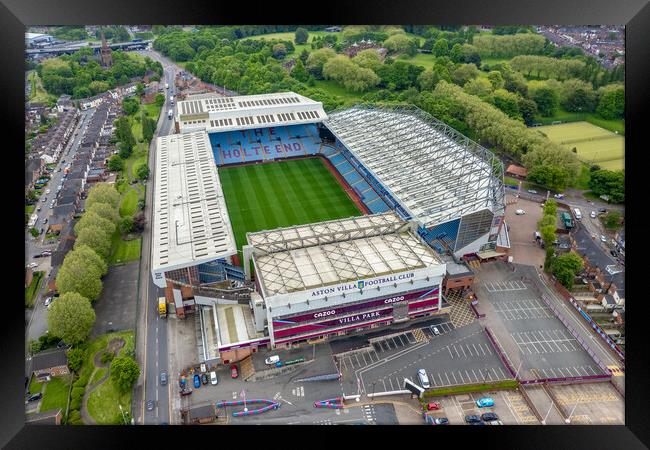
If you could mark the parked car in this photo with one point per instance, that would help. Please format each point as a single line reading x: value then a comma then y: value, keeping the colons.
x: 603, y: 238
x: 613, y: 253
x: 520, y: 212
x: 485, y: 401
x: 38, y: 209
x: 271, y: 360
x: 213, y: 378
x: 205, y: 378
x: 233, y: 371
x: 441, y: 421
x: 593, y: 214
x: 47, y: 191
x: 431, y: 406
x: 163, y: 378
x: 197, y: 381
x: 424, y: 379
x: 186, y: 391
x: 33, y: 398
x: 48, y: 301
x: 559, y: 196
x: 489, y: 416
x: 150, y: 405
x: 435, y: 330
x: 32, y: 265
x: 602, y: 210
x: 472, y: 419
x: 532, y: 191
x: 46, y: 253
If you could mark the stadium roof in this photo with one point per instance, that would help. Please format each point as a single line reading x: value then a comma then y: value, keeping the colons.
x: 216, y: 113
x: 436, y: 173
x: 310, y: 256
x: 190, y: 223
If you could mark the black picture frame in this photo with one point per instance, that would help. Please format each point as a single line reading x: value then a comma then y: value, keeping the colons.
x: 15, y: 15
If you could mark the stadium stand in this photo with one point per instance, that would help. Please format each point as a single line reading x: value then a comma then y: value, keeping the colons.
x: 264, y: 144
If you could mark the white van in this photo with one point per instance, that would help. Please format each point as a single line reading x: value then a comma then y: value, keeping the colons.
x: 272, y: 360
x: 424, y: 380
x: 577, y: 213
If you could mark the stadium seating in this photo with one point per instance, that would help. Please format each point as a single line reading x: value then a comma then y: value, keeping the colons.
x: 219, y: 270
x: 263, y: 144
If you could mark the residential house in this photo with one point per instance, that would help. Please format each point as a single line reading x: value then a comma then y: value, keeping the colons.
x: 201, y: 414
x: 50, y: 363
x: 96, y: 175
x: 517, y: 171
x: 51, y: 417
x: 60, y: 215
x: 33, y: 171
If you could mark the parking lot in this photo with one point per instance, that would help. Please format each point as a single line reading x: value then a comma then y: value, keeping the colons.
x: 533, y: 338
x: 456, y: 356
x: 591, y: 404
x: 509, y: 406
x: 523, y: 248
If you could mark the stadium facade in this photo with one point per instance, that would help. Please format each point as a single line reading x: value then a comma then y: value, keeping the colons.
x: 432, y: 196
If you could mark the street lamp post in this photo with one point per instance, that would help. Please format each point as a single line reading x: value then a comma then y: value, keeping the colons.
x: 568, y: 419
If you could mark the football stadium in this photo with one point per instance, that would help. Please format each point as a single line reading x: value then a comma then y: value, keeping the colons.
x: 279, y: 224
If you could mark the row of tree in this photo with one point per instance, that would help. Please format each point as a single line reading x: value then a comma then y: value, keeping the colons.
x: 81, y: 76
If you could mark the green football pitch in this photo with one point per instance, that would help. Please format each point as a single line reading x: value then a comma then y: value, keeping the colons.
x: 282, y: 194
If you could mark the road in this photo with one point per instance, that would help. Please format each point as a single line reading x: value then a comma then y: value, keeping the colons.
x: 151, y: 343
x: 37, y: 317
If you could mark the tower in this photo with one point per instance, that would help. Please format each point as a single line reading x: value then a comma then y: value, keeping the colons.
x: 106, y: 56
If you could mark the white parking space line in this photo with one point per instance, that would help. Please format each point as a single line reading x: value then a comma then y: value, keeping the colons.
x: 456, y: 350
x: 390, y: 381
x: 447, y: 377
x: 475, y: 350
x: 475, y: 374
x: 450, y: 354
x: 363, y: 356
x: 455, y: 379
x: 384, y: 383
x: 461, y: 347
x: 467, y: 373
x: 502, y: 373
x: 344, y: 365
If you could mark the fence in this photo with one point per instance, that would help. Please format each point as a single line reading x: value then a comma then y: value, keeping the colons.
x: 502, y: 356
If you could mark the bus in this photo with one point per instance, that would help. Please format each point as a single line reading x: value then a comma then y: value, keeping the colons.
x: 566, y: 219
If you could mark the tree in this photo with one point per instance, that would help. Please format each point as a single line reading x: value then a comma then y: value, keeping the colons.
x: 126, y: 225
x: 78, y: 276
x: 577, y: 96
x: 124, y: 150
x: 528, y: 109
x: 148, y: 128
x: 142, y: 172
x: 428, y: 79
x: 130, y: 105
x: 160, y: 100
x: 124, y: 132
x: 368, y: 58
x: 301, y: 36
x: 507, y: 102
x: 91, y: 218
x: 124, y: 372
x: 104, y: 210
x: 299, y: 72
x: 566, y: 267
x: 103, y: 193
x: 303, y: 56
x: 353, y: 77
x: 610, y: 183
x: 139, y: 89
x: 612, y: 104
x: 546, y: 100
x: 71, y: 317
x: 86, y: 255
x: 613, y: 219
x: 478, y: 86
x: 95, y: 238
x: 400, y: 43
x: 279, y: 51
x: 138, y: 221
x: 115, y: 163
x: 496, y: 79
x: 456, y: 53
x: 34, y: 232
x: 550, y: 207
x: 440, y: 48
x: 75, y: 358
x: 553, y: 177
x: 463, y: 73
x: 317, y: 60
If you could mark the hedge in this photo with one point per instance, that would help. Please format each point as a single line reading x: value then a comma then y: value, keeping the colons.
x: 452, y: 390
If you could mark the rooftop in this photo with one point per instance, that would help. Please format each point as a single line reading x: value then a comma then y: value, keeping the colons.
x: 191, y: 223
x: 214, y: 112
x: 314, y: 255
x: 49, y: 359
x: 436, y: 173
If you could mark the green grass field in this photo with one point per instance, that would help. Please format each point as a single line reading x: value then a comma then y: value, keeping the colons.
x: 595, y: 145
x: 282, y: 194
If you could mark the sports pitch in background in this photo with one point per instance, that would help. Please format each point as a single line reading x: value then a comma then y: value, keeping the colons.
x: 281, y: 194
x: 594, y: 144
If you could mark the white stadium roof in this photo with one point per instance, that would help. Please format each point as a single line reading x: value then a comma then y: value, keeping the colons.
x: 216, y: 113
x: 190, y: 223
x: 310, y: 256
x: 436, y: 173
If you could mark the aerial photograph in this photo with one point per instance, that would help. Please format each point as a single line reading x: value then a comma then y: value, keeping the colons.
x: 325, y: 225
